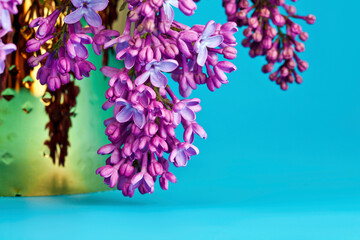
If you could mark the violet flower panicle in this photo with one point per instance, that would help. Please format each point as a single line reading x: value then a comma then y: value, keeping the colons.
x: 154, y: 70
x: 87, y: 9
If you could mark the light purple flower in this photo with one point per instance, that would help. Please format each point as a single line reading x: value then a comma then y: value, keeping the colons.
x: 5, y: 49
x: 82, y: 69
x: 205, y: 41
x: 75, y: 45
x: 102, y: 36
x: 143, y: 94
x: 154, y: 70
x: 182, y: 153
x: 87, y: 9
x: 186, y: 108
x: 130, y: 111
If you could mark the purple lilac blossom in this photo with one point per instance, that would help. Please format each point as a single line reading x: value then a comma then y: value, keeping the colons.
x: 87, y: 9
x: 146, y: 111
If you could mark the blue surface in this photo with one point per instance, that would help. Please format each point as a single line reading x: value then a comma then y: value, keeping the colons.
x: 276, y: 165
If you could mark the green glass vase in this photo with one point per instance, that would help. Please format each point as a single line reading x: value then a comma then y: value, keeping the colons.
x: 26, y: 169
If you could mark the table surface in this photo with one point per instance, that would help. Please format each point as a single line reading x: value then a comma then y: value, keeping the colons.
x: 107, y: 215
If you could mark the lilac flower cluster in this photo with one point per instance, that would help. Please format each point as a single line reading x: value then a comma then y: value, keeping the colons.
x: 68, y: 53
x: 146, y: 110
x: 7, y: 8
x: 272, y: 34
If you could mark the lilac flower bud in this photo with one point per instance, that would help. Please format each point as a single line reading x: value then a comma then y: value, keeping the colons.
x: 126, y: 169
x: 303, y: 36
x: 248, y: 32
x: 271, y: 32
x: 278, y: 19
x: 266, y: 43
x: 34, y: 61
x: 188, y: 7
x: 310, y: 19
x: 106, y: 149
x: 299, y: 46
x: 230, y: 8
x: 253, y: 22
x: 63, y: 65
x: 291, y: 64
x: 288, y: 53
x: 229, y: 53
x: 268, y: 67
x: 265, y: 12
x: 302, y: 65
x: 150, y: 129
x: 291, y: 10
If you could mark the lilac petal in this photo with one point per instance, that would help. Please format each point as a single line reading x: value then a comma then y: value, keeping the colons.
x: 110, y: 33
x: 122, y: 102
x: 5, y: 19
x: 107, y: 171
x: 142, y: 78
x: 124, y: 115
x: 192, y: 150
x: 189, y: 134
x: 2, y: 67
x: 136, y: 180
x: 92, y: 18
x: 75, y: 16
x: 139, y: 119
x: 115, y: 156
x: 172, y: 155
x: 168, y: 65
x: 114, y: 179
x: 77, y: 3
x: 199, y: 130
x: 129, y: 61
x: 71, y: 50
x: 148, y: 182
x: 209, y: 29
x: 180, y: 159
x: 169, y: 12
x: 188, y: 114
x: 202, y: 56
x: 158, y: 79
x: 191, y: 102
x: 8, y: 48
x: 175, y: 3
x: 109, y: 71
x: 185, y: 92
x: 177, y: 118
x: 98, y: 5
x: 106, y: 149
x: 81, y: 51
x: 213, y: 42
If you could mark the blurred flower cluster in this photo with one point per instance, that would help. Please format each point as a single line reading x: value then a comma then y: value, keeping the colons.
x: 271, y: 31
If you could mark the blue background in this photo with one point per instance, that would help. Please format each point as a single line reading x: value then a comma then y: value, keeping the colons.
x: 276, y: 165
